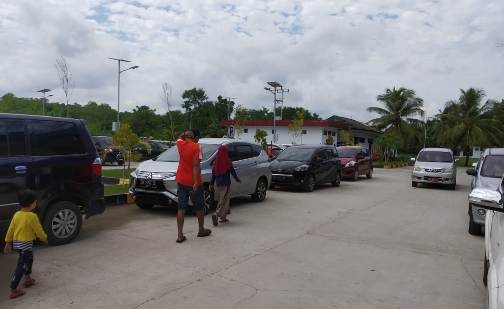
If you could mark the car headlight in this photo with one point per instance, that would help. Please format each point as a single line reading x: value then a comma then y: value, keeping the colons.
x: 302, y: 168
x: 418, y: 169
x: 448, y: 169
x: 350, y: 164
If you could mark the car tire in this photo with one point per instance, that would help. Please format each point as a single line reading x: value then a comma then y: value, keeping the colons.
x: 309, y: 184
x: 336, y: 182
x: 486, y: 266
x: 414, y: 184
x: 62, y: 223
x: 355, y: 175
x: 369, y: 174
x: 145, y: 206
x: 261, y: 190
x: 474, y: 228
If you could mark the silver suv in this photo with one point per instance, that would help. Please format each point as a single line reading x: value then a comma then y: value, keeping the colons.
x: 153, y: 182
x: 486, y: 175
x: 436, y: 166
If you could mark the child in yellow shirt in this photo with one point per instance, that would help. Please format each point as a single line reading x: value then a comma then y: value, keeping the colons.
x: 23, y: 230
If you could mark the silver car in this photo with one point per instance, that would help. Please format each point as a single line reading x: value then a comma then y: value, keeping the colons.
x: 436, y: 166
x: 153, y: 182
x: 486, y: 175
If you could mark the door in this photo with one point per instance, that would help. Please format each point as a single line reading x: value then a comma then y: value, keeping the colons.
x: 243, y: 161
x: 321, y: 165
x: 15, y: 167
x: 364, y: 161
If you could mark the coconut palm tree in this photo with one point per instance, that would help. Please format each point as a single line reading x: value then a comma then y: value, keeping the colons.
x: 467, y: 123
x: 401, y: 105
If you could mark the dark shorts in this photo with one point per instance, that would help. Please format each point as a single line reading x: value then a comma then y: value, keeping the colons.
x: 197, y: 198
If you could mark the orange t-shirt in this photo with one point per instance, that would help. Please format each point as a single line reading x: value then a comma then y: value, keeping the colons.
x: 189, y: 152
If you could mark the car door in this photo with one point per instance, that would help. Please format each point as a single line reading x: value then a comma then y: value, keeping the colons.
x: 320, y: 165
x: 15, y: 167
x: 244, y: 161
x: 365, y: 162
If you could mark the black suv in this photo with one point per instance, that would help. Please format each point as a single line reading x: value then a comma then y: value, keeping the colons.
x: 57, y: 159
x: 306, y: 166
x: 108, y: 153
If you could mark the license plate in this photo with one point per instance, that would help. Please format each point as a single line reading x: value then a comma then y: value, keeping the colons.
x: 433, y: 179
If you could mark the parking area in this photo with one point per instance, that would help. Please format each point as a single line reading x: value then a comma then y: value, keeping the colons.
x: 375, y: 243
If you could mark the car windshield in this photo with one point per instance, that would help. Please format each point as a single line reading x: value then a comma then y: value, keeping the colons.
x: 435, y: 156
x: 296, y: 154
x: 172, y: 155
x: 347, y: 152
x: 493, y: 166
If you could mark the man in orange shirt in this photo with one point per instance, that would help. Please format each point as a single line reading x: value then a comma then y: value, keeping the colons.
x: 190, y: 184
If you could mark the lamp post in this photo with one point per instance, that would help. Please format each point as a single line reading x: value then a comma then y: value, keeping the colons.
x: 425, y: 130
x: 119, y: 71
x: 228, y: 99
x: 276, y: 87
x: 44, y: 91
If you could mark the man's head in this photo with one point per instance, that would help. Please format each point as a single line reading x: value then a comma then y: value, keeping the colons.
x: 196, y: 135
x: 27, y: 199
x: 188, y: 135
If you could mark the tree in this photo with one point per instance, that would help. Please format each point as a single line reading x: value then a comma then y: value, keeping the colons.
x: 296, y: 125
x: 468, y: 123
x: 223, y: 108
x: 345, y: 137
x: 193, y: 98
x: 167, y: 92
x: 389, y: 142
x: 329, y: 140
x: 400, y: 106
x: 240, y: 116
x: 144, y: 121
x: 65, y: 79
x: 125, y: 138
x: 260, y: 138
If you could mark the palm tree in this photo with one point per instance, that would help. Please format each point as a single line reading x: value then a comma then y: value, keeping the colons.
x: 401, y: 105
x: 468, y: 123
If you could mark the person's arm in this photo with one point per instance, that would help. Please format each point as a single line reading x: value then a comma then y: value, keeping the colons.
x: 235, y: 176
x: 196, y: 168
x: 9, y: 238
x: 39, y: 231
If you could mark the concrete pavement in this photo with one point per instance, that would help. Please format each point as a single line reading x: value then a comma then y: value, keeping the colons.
x: 369, y: 244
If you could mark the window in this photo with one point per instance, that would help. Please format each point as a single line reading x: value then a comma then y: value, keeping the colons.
x: 256, y: 150
x: 325, y: 132
x: 272, y: 131
x: 362, y: 140
x: 54, y: 138
x: 245, y: 130
x: 493, y: 166
x: 370, y: 140
x: 4, y: 150
x: 303, y: 132
x: 16, y: 138
x: 334, y: 133
x: 239, y: 152
x: 355, y: 140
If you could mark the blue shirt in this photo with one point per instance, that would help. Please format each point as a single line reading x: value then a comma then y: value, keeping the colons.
x: 224, y: 180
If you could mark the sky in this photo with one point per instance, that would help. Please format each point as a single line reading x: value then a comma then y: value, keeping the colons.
x: 334, y: 56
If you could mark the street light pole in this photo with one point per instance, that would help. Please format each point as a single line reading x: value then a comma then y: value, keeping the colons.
x: 275, y: 88
x: 44, y: 91
x: 119, y: 71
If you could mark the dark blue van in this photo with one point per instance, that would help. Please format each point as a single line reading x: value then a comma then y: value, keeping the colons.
x: 56, y: 158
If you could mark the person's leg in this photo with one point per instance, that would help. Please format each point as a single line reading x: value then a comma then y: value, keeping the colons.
x: 183, y: 200
x: 18, y: 273
x: 225, y: 202
x: 219, y: 195
x: 28, y: 281
x: 199, y: 206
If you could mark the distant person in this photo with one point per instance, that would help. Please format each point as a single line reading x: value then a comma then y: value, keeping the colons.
x: 221, y: 176
x: 189, y: 181
x: 23, y: 230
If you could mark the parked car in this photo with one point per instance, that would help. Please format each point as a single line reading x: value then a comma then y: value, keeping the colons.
x: 355, y: 161
x: 57, y: 159
x: 306, y: 166
x: 154, y: 149
x: 435, y: 166
x: 108, y: 153
x: 153, y: 182
x: 493, y: 265
x: 486, y: 174
x: 274, y: 150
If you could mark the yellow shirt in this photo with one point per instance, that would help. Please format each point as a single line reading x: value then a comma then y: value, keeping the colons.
x: 25, y: 226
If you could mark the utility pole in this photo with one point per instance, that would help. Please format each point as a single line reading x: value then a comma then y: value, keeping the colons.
x: 116, y: 125
x: 275, y: 88
x: 44, y: 91
x: 229, y: 100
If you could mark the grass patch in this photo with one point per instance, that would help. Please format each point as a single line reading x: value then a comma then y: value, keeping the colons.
x: 117, y: 173
x: 116, y: 189
x: 461, y: 161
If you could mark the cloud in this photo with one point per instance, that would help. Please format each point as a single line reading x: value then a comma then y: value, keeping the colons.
x: 335, y: 56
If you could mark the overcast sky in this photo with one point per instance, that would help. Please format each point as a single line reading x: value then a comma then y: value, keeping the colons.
x: 335, y: 56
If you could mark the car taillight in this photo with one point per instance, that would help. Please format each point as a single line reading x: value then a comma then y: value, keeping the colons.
x: 96, y: 168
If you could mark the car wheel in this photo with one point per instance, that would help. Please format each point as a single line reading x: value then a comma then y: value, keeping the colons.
x: 62, y: 223
x: 355, y: 176
x: 474, y: 228
x: 414, y: 184
x: 261, y: 190
x: 336, y: 182
x: 309, y: 184
x: 486, y: 265
x: 145, y: 206
x: 369, y: 174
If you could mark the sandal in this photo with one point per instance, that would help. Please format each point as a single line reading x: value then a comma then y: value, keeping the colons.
x: 205, y: 233
x: 29, y: 283
x: 179, y: 241
x: 16, y: 293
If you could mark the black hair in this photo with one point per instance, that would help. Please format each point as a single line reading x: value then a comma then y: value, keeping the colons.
x: 196, y: 133
x: 26, y: 197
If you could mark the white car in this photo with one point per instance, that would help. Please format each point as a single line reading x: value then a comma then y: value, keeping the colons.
x: 434, y: 166
x: 493, y: 273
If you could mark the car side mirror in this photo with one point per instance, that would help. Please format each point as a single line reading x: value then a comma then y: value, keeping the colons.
x: 474, y: 164
x: 486, y: 199
x: 471, y: 172
x: 412, y: 159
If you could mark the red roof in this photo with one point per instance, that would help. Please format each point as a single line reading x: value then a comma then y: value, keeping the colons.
x: 285, y: 123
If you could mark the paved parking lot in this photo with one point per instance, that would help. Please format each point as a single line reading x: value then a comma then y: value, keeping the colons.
x: 371, y: 244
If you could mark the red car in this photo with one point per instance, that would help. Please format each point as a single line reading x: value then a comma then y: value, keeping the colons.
x: 355, y: 161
